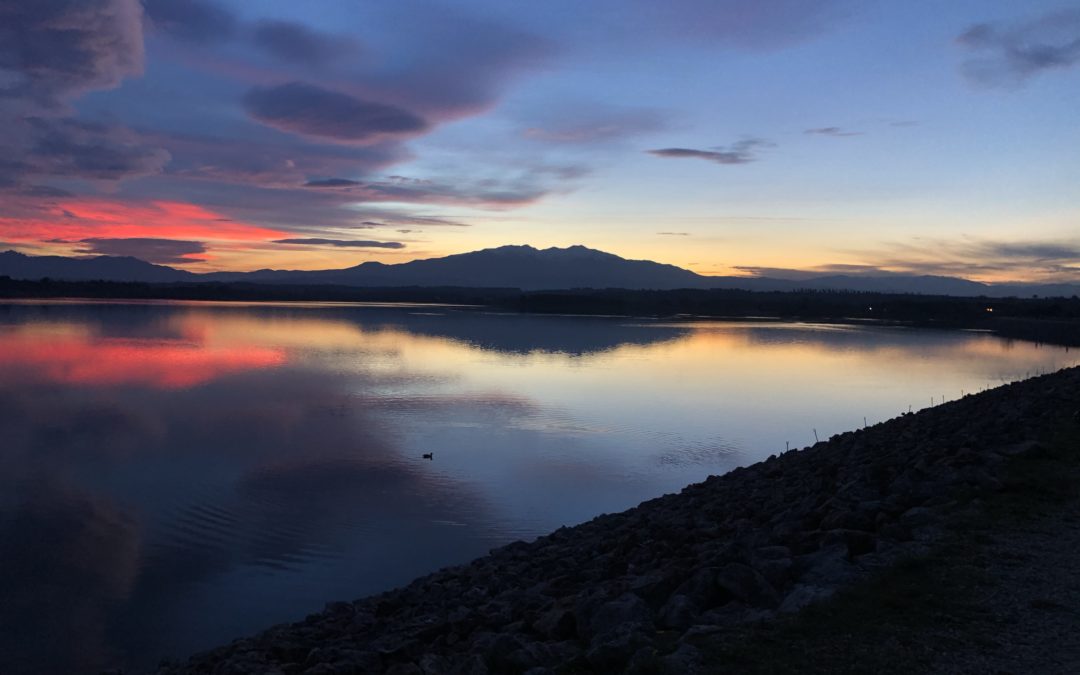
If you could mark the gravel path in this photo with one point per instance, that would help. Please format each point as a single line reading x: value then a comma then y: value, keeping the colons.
x: 1029, y: 597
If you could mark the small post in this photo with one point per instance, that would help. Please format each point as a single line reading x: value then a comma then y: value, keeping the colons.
x: 787, y: 446
x: 816, y: 440
x: 864, y: 422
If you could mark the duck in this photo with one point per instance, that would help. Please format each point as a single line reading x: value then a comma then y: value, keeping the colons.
x: 427, y: 455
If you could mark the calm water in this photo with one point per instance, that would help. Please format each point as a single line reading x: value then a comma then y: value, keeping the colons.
x: 175, y: 475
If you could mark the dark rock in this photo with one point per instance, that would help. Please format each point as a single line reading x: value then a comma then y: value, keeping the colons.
x: 679, y: 612
x: 685, y: 660
x: 627, y: 608
x: 917, y: 517
x: 777, y: 571
x: 701, y: 587
x: 744, y: 583
x: 610, y: 651
x: 773, y: 553
x: 557, y: 624
x: 801, y: 596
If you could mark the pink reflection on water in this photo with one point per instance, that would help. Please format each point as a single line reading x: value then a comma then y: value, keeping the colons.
x: 160, y: 364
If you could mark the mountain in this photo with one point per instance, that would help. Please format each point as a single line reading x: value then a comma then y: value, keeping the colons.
x: 104, y: 268
x: 521, y: 267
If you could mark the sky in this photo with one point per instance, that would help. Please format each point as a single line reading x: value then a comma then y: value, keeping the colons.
x: 767, y: 137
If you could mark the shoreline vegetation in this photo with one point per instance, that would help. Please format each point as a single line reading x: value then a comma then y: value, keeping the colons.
x: 939, y: 541
x: 1049, y: 320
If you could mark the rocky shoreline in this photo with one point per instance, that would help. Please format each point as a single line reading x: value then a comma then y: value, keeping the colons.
x: 640, y: 591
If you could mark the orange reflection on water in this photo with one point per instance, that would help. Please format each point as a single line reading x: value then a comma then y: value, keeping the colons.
x: 161, y: 364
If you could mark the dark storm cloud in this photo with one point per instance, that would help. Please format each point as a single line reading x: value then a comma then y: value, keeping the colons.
x: 741, y: 152
x: 310, y: 110
x: 62, y: 47
x: 196, y: 21
x: 1011, y: 54
x: 70, y: 148
x: 835, y: 132
x: 340, y: 243
x: 160, y: 251
x: 295, y: 43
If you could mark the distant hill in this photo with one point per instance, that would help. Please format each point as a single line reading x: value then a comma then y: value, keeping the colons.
x: 98, y: 268
x: 523, y: 267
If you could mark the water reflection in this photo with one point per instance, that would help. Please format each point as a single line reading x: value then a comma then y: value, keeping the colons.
x: 174, y: 475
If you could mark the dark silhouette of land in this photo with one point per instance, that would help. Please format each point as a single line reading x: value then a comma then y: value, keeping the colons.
x: 518, y: 267
x: 1052, y: 320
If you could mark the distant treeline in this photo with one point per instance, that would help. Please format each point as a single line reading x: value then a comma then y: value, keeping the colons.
x: 1042, y: 319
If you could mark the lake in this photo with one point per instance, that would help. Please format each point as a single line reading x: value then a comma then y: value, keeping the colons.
x: 174, y: 475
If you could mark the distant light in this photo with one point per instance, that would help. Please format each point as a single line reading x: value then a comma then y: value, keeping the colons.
x: 989, y: 309
x: 870, y: 308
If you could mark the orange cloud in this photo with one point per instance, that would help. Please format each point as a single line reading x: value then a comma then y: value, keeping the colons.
x: 75, y: 219
x: 160, y: 364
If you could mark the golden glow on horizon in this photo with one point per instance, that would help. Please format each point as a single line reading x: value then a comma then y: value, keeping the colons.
x: 707, y: 249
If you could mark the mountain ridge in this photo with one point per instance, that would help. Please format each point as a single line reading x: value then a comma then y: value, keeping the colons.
x: 513, y: 266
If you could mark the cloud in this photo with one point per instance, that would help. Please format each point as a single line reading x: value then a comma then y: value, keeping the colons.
x: 64, y: 47
x: 813, y: 272
x: 1032, y: 251
x: 410, y: 219
x: 741, y: 152
x: 268, y: 159
x: 968, y: 257
x: 331, y: 183
x: 835, y: 132
x: 53, y: 52
x: 296, y: 43
x: 674, y: 234
x: 446, y: 62
x: 340, y: 243
x: 78, y: 218
x: 313, y: 111
x: 597, y: 126
x: 150, y: 249
x: 70, y: 148
x: 195, y: 21
x: 490, y: 193
x: 1009, y: 55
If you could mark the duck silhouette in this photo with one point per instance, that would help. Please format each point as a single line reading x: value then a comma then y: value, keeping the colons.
x: 427, y: 455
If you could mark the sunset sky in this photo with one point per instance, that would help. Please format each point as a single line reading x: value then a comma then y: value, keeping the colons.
x: 725, y: 136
